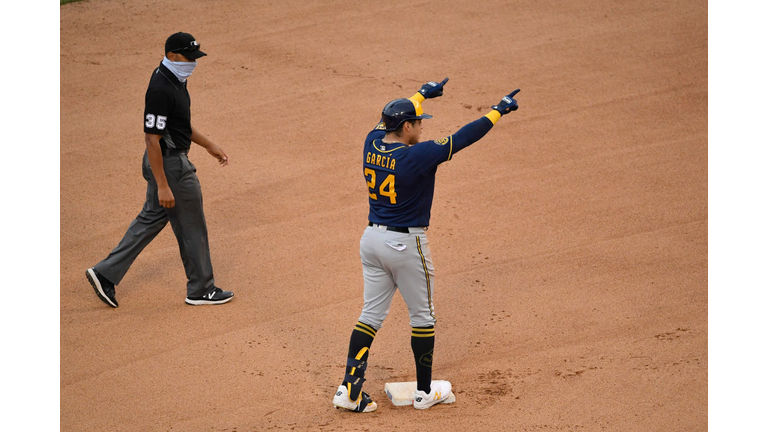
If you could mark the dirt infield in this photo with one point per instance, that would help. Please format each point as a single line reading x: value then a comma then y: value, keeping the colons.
x: 570, y: 244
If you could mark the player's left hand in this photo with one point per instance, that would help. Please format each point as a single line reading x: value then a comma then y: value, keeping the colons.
x: 219, y: 154
x: 432, y: 89
x: 507, y: 104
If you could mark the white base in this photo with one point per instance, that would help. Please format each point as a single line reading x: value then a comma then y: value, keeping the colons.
x: 401, y: 393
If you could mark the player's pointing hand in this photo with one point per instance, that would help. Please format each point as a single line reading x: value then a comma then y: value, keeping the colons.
x: 432, y: 89
x: 507, y: 104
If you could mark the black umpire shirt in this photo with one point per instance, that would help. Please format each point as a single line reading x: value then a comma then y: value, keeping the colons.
x: 166, y: 110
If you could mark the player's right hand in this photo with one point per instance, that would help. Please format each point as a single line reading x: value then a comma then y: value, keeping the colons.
x: 165, y: 197
x: 432, y: 89
x: 507, y: 104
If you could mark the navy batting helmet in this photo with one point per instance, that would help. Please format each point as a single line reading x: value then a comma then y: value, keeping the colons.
x: 400, y: 110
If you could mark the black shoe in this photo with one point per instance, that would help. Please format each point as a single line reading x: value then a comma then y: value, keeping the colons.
x: 104, y: 288
x: 217, y: 296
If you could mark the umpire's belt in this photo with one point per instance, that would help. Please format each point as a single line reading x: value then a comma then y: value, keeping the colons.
x: 403, y: 230
x: 174, y: 152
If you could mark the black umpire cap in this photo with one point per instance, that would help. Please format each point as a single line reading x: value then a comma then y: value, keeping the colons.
x: 184, y: 44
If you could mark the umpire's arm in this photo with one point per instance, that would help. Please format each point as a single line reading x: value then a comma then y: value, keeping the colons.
x: 155, y: 156
x: 212, y: 148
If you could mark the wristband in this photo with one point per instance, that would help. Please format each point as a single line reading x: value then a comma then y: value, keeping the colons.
x: 493, y: 116
x: 418, y: 97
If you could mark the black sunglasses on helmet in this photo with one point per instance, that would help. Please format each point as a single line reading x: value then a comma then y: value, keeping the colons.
x: 193, y: 46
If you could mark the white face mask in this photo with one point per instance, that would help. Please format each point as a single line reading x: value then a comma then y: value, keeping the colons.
x: 182, y: 70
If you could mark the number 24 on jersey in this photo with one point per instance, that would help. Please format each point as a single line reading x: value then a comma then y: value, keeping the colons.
x: 387, y: 187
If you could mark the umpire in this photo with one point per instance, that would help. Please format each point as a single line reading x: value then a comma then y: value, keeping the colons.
x: 173, y: 190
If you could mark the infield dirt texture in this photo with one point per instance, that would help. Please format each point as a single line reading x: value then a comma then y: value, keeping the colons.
x: 570, y: 244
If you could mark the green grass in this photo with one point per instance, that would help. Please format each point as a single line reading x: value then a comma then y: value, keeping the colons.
x: 63, y: 2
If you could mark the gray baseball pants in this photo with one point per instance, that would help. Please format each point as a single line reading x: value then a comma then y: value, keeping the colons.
x: 187, y: 220
x: 392, y: 261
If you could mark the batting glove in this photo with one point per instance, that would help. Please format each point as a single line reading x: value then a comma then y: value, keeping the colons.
x: 507, y: 104
x: 432, y: 89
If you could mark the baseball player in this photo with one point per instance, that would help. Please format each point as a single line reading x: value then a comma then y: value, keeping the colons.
x: 400, y: 170
x: 173, y: 190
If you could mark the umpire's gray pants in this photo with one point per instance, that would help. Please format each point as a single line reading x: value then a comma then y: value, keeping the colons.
x: 187, y: 220
x: 392, y: 261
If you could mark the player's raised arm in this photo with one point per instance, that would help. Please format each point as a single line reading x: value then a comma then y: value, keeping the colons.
x: 477, y: 129
x: 429, y: 90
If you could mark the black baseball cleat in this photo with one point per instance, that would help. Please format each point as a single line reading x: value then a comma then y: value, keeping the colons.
x: 217, y: 296
x: 104, y: 288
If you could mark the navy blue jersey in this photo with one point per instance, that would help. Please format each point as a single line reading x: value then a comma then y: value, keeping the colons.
x: 401, y: 178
